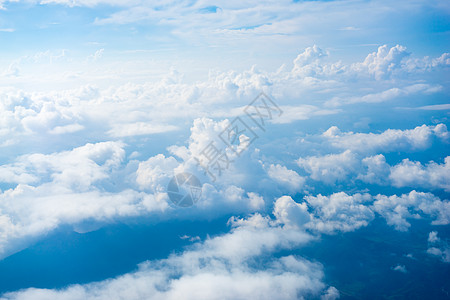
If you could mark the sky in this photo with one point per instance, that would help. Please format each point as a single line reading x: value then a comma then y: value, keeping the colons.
x: 224, y: 149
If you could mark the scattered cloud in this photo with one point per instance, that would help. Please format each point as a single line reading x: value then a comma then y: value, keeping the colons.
x: 400, y: 268
x: 397, y: 209
x: 217, y: 267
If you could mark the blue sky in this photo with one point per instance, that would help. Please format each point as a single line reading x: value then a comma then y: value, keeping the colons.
x: 342, y: 193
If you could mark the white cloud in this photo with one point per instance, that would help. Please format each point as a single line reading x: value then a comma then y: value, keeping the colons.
x: 286, y: 177
x: 377, y: 170
x: 93, y: 182
x: 78, y: 169
x: 339, y: 212
x: 307, y: 63
x: 291, y: 213
x: 66, y: 129
x: 347, y: 166
x: 419, y: 138
x: 414, y: 174
x: 67, y: 188
x: 79, y: 181
x: 331, y: 294
x: 27, y: 213
x: 160, y: 106
x: 438, y: 247
x: 330, y: 168
x: 397, y: 209
x: 432, y: 237
x: 443, y: 253
x: 155, y: 173
x: 218, y: 268
x: 400, y: 268
x: 384, y: 62
x: 351, y: 165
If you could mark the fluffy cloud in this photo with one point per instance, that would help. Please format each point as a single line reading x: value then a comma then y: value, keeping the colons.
x: 63, y: 154
x: 432, y: 237
x: 400, y: 268
x: 437, y: 247
x: 291, y: 213
x: 66, y: 188
x: 339, y: 212
x: 383, y: 62
x: 27, y: 212
x: 330, y: 168
x: 397, y: 209
x: 155, y: 172
x: 381, y: 65
x: 308, y: 63
x: 77, y: 169
x: 331, y: 294
x: 418, y: 138
x: 165, y: 105
x: 414, y: 174
x: 217, y: 268
x: 286, y: 177
x: 352, y: 164
x: 94, y: 182
x: 376, y: 170
x: 444, y: 253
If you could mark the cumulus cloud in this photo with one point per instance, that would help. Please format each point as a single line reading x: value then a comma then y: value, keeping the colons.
x: 443, y: 254
x: 339, y: 212
x: 383, y: 62
x: 291, y: 213
x: 66, y: 188
x: 307, y: 63
x: 419, y: 138
x: 348, y: 167
x: 162, y: 106
x: 286, y: 177
x: 400, y: 268
x: 94, y: 182
x: 353, y: 165
x: 80, y: 170
x: 330, y: 168
x: 376, y: 170
x: 331, y: 294
x: 216, y: 268
x: 414, y: 174
x: 77, y: 169
x: 397, y: 209
x: 438, y: 247
x: 432, y: 237
x: 155, y: 172
x: 28, y: 213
